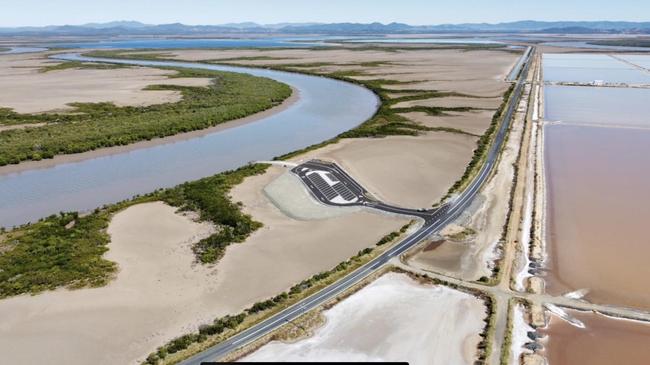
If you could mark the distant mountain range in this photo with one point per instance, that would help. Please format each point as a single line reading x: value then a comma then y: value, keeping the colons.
x: 137, y: 28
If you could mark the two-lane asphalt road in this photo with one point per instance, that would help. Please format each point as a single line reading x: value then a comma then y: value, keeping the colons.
x: 434, y: 220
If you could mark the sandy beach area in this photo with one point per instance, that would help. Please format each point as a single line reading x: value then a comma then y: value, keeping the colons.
x: 395, y: 319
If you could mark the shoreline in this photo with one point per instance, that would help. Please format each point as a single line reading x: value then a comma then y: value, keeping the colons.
x: 109, y: 151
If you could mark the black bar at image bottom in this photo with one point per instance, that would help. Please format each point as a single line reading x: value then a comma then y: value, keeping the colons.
x: 306, y: 363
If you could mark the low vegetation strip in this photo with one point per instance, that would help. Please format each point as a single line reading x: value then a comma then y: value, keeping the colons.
x: 79, y: 65
x: 622, y: 42
x: 97, y: 125
x: 66, y: 250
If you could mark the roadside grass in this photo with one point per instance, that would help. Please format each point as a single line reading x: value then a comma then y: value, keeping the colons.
x: 97, y: 125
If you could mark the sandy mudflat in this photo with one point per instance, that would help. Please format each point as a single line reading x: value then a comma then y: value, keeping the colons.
x: 478, y: 72
x: 287, y: 250
x: 479, y: 62
x: 26, y: 90
x: 453, y: 102
x: 395, y: 319
x: 486, y: 88
x: 475, y: 122
x: 161, y: 293
x: 408, y: 171
x: 155, y: 295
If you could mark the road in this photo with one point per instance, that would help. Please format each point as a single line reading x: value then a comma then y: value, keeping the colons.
x: 434, y: 220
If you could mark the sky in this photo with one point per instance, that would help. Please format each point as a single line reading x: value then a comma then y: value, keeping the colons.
x: 415, y: 12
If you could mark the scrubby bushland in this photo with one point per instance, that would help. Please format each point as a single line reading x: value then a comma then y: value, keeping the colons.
x: 96, y: 125
x: 53, y: 253
x: 209, y: 197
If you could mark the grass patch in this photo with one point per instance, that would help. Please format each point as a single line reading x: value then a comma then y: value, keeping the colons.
x: 66, y: 250
x: 467, y: 232
x: 98, y: 125
x: 80, y: 65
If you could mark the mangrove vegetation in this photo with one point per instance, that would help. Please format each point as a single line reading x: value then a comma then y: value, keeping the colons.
x: 65, y: 250
x: 97, y: 125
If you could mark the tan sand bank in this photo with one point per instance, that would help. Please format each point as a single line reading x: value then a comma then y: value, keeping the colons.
x: 453, y: 102
x: 475, y: 122
x: 395, y: 319
x: 26, y: 90
x: 485, y: 88
x: 477, y: 72
x: 153, y: 298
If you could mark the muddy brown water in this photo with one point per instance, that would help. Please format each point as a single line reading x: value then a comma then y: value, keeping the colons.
x: 443, y: 254
x: 604, y: 341
x: 599, y: 213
